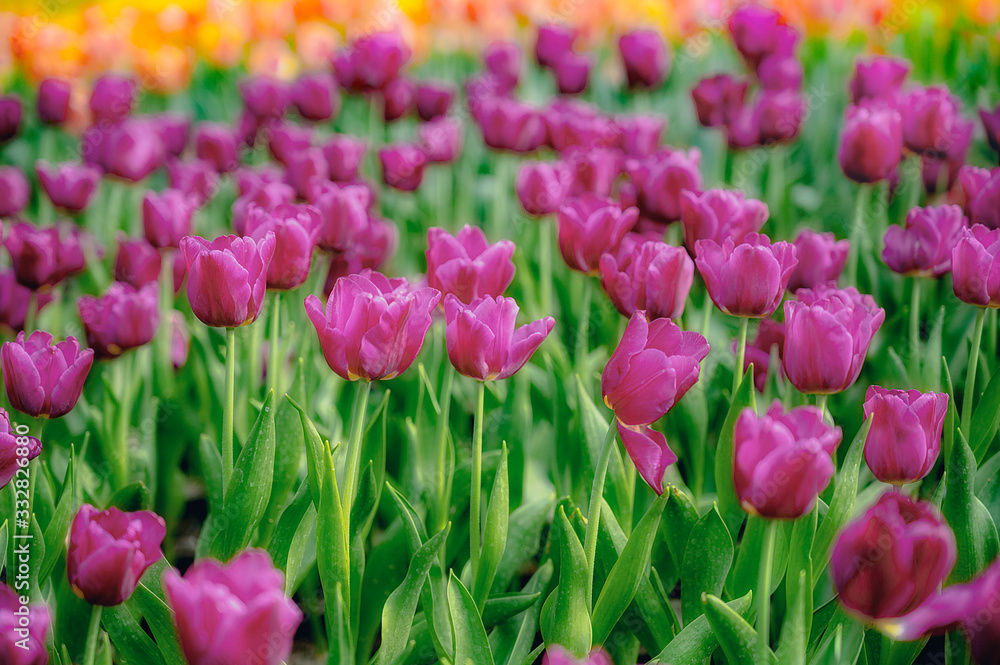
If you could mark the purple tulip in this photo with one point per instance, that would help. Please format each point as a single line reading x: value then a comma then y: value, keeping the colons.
x: 975, y: 273
x: 466, y: 265
x: 249, y: 179
x: 872, y: 142
x: 718, y: 214
x: 53, y: 100
x: 905, y: 436
x: 777, y: 73
x: 44, y: 380
x: 510, y: 125
x: 173, y: 130
x: 590, y: 226
x: 552, y: 42
x: 15, y: 300
x: 44, y: 256
x: 759, y: 31
x: 984, y: 208
x: 343, y: 214
x: 572, y: 70
x: 782, y: 461
x: 399, y: 97
x: 953, y: 159
x: 180, y: 339
x: 441, y: 139
x: 503, y: 61
x: 718, y: 99
x: 929, y: 115
x: 196, y: 178
x: 827, y: 334
x: 286, y: 139
x: 402, y: 166
x: 640, y: 134
x: 652, y: 276
x: 370, y: 251
x: 123, y: 318
x: 757, y: 351
x: 890, y: 560
x: 646, y: 59
x: 232, y: 613
x: 227, y: 278
x: 344, y: 155
x: 573, y: 124
x: 295, y: 228
x: 923, y: 247
x: 880, y: 77
x: 991, y: 125
x: 16, y: 449
x: 483, y: 340
x: 433, y: 99
x: 542, y: 187
x: 217, y: 143
x: 137, y: 262
x: 266, y: 195
x: 971, y: 180
x: 132, y: 152
x: 24, y: 630
x: 778, y: 116
x: 14, y: 191
x: 68, y: 185
x: 108, y: 551
x: 307, y: 170
x: 821, y: 259
x: 112, y: 98
x: 372, y: 61
x: 746, y: 279
x: 10, y: 117
x: 743, y: 131
x: 265, y: 96
x: 373, y: 327
x: 315, y: 96
x: 166, y: 216
x: 593, y: 170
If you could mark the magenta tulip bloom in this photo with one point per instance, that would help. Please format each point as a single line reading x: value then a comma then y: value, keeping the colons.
x: 719, y: 214
x: 344, y: 216
x: 226, y: 614
x: 574, y: 124
x: 827, y: 334
x: 572, y: 70
x: 502, y: 60
x: 307, y: 170
x: 69, y: 186
x: 227, y: 278
x: 466, y: 265
x: 821, y: 259
x: 108, y: 551
x: 924, y: 246
x: 929, y: 115
x: 880, y: 77
x: 14, y: 191
x: 984, y: 208
x: 132, y: 151
x: 441, y: 139
x: 778, y: 116
x: 905, y: 437
x: 555, y: 655
x: 196, y: 177
x: 53, y: 101
x: 399, y: 97
x: 373, y: 327
x: 344, y: 155
x: 44, y: 256
x: 594, y: 170
x: 11, y: 111
x: 123, y: 318
x: 267, y: 195
x: 218, y: 144
x: 483, y: 340
x: 542, y: 187
x: 718, y: 99
x: 137, y: 263
x: 112, y: 98
x: 315, y: 96
x: 590, y: 226
x: 372, y: 61
x: 956, y: 148
x: 173, y: 129
x: 975, y: 273
x: 295, y: 228
x: 760, y: 31
x: 23, y: 632
x: 433, y: 99
x: 166, y: 216
x: 991, y: 125
x: 872, y: 142
x: 645, y: 57
x: 249, y: 179
x: 44, y: 380
x: 180, y: 339
x: 402, y: 166
x: 782, y: 461
x: 640, y: 134
x: 370, y: 251
x: 15, y: 299
x: 890, y: 560
x: 264, y: 96
x: 552, y: 42
x: 508, y: 124
x: 285, y: 140
x: 746, y: 279
x: 757, y: 351
x: 652, y: 276
x: 16, y: 449
x: 778, y: 72
x: 661, y: 180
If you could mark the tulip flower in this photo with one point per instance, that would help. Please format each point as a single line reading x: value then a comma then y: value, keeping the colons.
x: 503, y: 61
x: 131, y: 151
x: 507, y: 124
x: 344, y: 216
x: 483, y: 340
x: 778, y: 116
x: 217, y: 143
x: 14, y: 447
x: 315, y: 96
x: 137, y: 262
x: 44, y: 256
x: 929, y: 115
x: 872, y: 142
x: 821, y: 259
x: 69, y: 186
x: 344, y: 155
x: 123, y: 318
x: 905, y: 436
x: 782, y: 461
x: 372, y: 61
x: 285, y: 141
x: 112, y: 98
x: 894, y: 557
x: 991, y: 125
x: 552, y: 42
x: 640, y: 134
x: 295, y: 228
x: 259, y: 621
x: 645, y: 57
x: 265, y: 96
x: 14, y: 191
x: 984, y: 208
x: 719, y: 214
x: 433, y: 99
x: 402, y: 166
x: 573, y: 124
x: 776, y: 73
x: 661, y: 180
x: 466, y: 265
x: 373, y: 327
x: 196, y: 177
x: 757, y: 352
x: 441, y: 139
x: 26, y: 648
x: 572, y: 70
x: 267, y: 195
x: 15, y: 299
x: 971, y: 180
x: 166, y: 216
x: 924, y: 246
x: 180, y: 339
x: 108, y: 551
x: 718, y: 99
x: 827, y: 334
x: 42, y: 379
x: 757, y: 32
x: 542, y: 187
x: 370, y: 250
x: 652, y: 276
x: 974, y: 271
x: 227, y: 278
x: 307, y: 170
x: 746, y: 279
x: 880, y: 77
x: 249, y: 179
x: 590, y: 226
x: 173, y: 130
x: 399, y: 97
x: 10, y: 117
x: 53, y: 101
x: 594, y: 170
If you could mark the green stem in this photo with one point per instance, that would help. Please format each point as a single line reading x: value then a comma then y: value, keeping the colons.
x: 274, y: 345
x: 501, y: 195
x: 594, y: 512
x: 821, y: 404
x: 354, y: 445
x: 741, y: 349
x: 970, y: 376
x: 441, y: 470
x: 477, y: 481
x: 706, y: 317
x: 776, y: 185
x: 583, y: 324
x: 855, y: 234
x: 116, y: 202
x: 93, y: 633
x: 31, y: 313
x: 545, y: 266
x: 764, y: 594
x: 227, y: 415
x: 124, y: 368
x: 915, y: 331
x: 165, y: 335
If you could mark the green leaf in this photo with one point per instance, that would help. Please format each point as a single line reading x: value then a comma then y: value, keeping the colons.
x: 744, y: 573
x: 697, y: 642
x: 288, y: 444
x: 729, y: 503
x: 58, y: 527
x: 131, y: 498
x: 565, y: 618
x: 316, y: 452
x: 211, y: 470
x: 149, y: 599
x: 595, y: 426
x: 795, y: 631
x: 523, y: 536
x: 842, y: 504
x: 332, y: 546
x: 706, y: 563
x: 4, y: 542
x: 494, y: 533
x: 627, y: 573
x: 291, y: 535
x: 985, y: 419
x: 737, y: 638
x: 341, y: 647
x: 679, y: 517
x: 471, y: 645
x: 132, y: 645
x: 975, y: 532
x: 799, y: 561
x: 412, y: 524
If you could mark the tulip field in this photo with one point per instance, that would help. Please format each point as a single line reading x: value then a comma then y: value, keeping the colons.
x: 500, y: 333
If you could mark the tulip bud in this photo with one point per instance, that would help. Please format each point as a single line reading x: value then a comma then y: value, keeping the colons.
x: 285, y: 140
x: 15, y: 300
x: 441, y: 139
x: 552, y: 42
x: 344, y: 155
x: 14, y: 447
x: 778, y: 116
x: 746, y: 279
x: 975, y: 272
x: 23, y: 645
x: 573, y: 124
x: 132, y: 152
x: 217, y: 143
x: 173, y: 129
x: 640, y: 134
x: 466, y: 265
x: 398, y: 98
x: 905, y: 436
x: 651, y: 276
x: 645, y: 57
x: 985, y: 207
x: 507, y: 124
x: 112, y: 98
x: 433, y: 99
x: 307, y: 170
x: 123, y: 318
x: 991, y: 125
x: 44, y: 256
x: 758, y: 32
x: 571, y: 71
x: 871, y: 143
x: 403, y: 166
x: 44, y: 380
x: 776, y: 73
x: 924, y: 246
x: 137, y: 263
x: 343, y: 214
x: 227, y: 278
x: 316, y: 97
x: 879, y: 78
x: 267, y: 195
x: 196, y: 177
x: 757, y: 351
x: 295, y: 228
x: 821, y: 259
x: 718, y: 99
x: 929, y: 115
x: 14, y: 191
x: 53, y: 101
x: 661, y: 180
x: 166, y: 217
x: 542, y: 187
x: 69, y: 186
x: 264, y: 96
x: 503, y: 61
x: 718, y: 214
x: 590, y: 226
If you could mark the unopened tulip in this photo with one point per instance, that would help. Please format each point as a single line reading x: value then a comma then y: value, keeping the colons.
x: 645, y: 57
x: 399, y: 98
x: 14, y: 191
x: 778, y: 116
x: 718, y: 214
x: 590, y: 226
x: 572, y: 70
x: 344, y: 216
x: 757, y: 351
x: 778, y: 72
x: 227, y: 278
x: 112, y: 98
x: 782, y: 461
x: 594, y: 170
x: 195, y: 177
x: 827, y: 335
x: 991, y: 125
x: 511, y: 125
x: 441, y: 139
x: 217, y: 143
x: 746, y: 278
x: 402, y: 166
x: 69, y: 186
x: 15, y: 299
x: 180, y: 339
x: 53, y: 101
x: 929, y: 115
x: 29, y: 647
x: 905, y: 436
x: 975, y: 272
x: 11, y: 111
x: 957, y: 147
x: 433, y: 99
x: 652, y: 276
x: 44, y: 380
x: 573, y: 124
x: 44, y: 256
x: 285, y: 140
x: 307, y: 170
x: 552, y: 42
x: 267, y: 195
x: 137, y: 262
x: 372, y: 61
x: 344, y: 155
x: 108, y: 551
x: 132, y: 152
x: 248, y: 179
x: 640, y: 134
x: 821, y: 259
x: 758, y: 32
x: 923, y: 247
x: 295, y: 227
x: 718, y: 99
x: 370, y: 251
x: 123, y: 318
x: 503, y: 61
x: 258, y: 623
x: 173, y: 129
x: 880, y: 77
x: 466, y: 265
x: 373, y: 327
x: 542, y: 186
x: 985, y: 206
x: 894, y: 557
x: 265, y: 96
x: 872, y: 142
x: 166, y: 216
x: 661, y: 180
x: 14, y: 448
x: 315, y: 96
